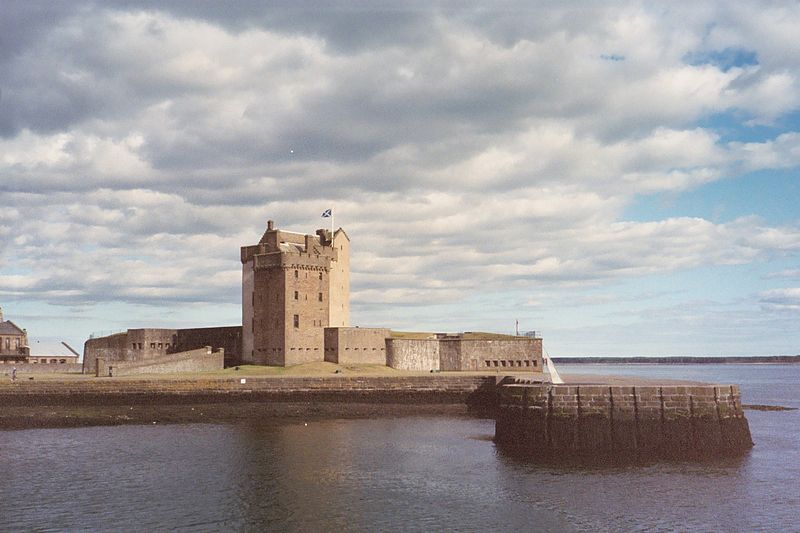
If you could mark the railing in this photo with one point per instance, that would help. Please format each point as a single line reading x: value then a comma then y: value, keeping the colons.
x: 106, y: 333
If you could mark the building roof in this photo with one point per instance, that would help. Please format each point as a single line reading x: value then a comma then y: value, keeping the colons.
x: 9, y: 328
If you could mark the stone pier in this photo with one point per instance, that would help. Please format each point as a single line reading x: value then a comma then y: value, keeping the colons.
x: 667, y: 421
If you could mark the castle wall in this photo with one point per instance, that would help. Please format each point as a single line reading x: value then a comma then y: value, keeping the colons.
x: 520, y: 353
x: 141, y: 344
x: 339, y: 304
x: 306, y: 310
x: 229, y: 338
x: 38, y: 368
x: 248, y: 317
x: 456, y: 353
x: 111, y: 348
x: 413, y: 354
x: 269, y: 317
x: 200, y: 360
x: 147, y: 343
x: 356, y: 345
x: 450, y: 356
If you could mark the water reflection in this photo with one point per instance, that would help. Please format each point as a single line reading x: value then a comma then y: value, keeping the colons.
x: 408, y: 473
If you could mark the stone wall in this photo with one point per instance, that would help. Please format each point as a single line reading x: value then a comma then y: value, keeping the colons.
x: 111, y: 348
x: 456, y: 353
x: 413, y: 354
x: 478, y: 391
x: 229, y: 338
x: 31, y: 368
x: 551, y: 421
x: 293, y: 286
x: 200, y: 360
x: 356, y: 345
x: 148, y: 343
x: 519, y: 353
x: 339, y: 276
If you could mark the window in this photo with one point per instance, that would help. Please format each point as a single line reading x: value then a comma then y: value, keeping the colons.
x: 63, y: 361
x: 153, y: 345
x: 134, y: 345
x: 296, y: 295
x: 296, y: 275
x: 320, y: 297
x: 297, y: 321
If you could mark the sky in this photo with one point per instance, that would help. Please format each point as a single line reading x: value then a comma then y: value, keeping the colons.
x: 619, y: 176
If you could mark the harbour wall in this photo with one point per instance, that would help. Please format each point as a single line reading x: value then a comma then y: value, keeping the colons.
x: 138, y: 390
x: 551, y: 421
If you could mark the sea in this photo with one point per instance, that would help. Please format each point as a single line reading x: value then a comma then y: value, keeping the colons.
x: 408, y: 473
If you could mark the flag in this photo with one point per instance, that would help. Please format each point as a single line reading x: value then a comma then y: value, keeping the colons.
x: 327, y: 213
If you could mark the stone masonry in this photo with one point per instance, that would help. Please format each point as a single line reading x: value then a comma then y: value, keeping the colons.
x: 557, y: 421
x: 293, y: 286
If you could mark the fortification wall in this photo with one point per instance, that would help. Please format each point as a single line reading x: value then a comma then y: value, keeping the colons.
x: 148, y: 343
x: 356, y: 345
x: 413, y: 354
x: 200, y: 360
x: 339, y: 276
x: 520, y: 353
x: 111, y: 348
x: 550, y: 421
x: 229, y: 338
x: 450, y: 356
x: 31, y: 368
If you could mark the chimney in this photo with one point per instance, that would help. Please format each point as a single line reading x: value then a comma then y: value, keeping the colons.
x: 1, y: 314
x: 270, y: 225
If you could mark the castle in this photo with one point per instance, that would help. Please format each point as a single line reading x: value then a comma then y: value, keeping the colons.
x: 293, y: 286
x: 295, y: 309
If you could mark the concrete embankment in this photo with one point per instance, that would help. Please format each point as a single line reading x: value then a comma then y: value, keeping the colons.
x: 669, y: 421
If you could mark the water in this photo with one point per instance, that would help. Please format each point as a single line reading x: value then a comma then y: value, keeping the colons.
x: 421, y: 473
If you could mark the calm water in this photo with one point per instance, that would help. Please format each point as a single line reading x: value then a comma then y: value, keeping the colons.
x: 394, y: 474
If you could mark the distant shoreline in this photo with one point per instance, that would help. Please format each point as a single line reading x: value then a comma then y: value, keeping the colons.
x: 682, y: 360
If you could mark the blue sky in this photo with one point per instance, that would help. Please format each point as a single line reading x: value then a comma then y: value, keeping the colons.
x: 621, y: 177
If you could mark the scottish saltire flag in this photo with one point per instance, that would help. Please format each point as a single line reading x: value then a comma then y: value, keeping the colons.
x: 327, y: 213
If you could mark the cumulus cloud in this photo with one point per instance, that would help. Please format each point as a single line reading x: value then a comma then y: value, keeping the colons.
x: 464, y: 150
x: 784, y: 299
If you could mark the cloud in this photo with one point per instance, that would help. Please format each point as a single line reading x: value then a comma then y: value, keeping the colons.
x: 466, y: 151
x: 784, y: 299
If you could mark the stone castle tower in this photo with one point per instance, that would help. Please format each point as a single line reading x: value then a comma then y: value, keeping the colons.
x: 293, y: 286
